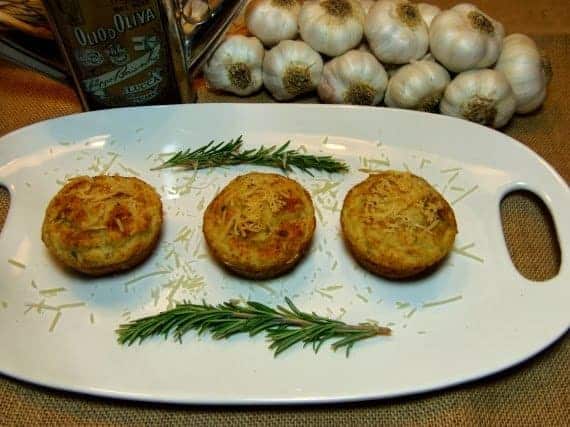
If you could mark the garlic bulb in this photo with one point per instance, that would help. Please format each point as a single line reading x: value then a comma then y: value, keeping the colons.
x: 353, y: 78
x: 272, y: 20
x: 417, y: 86
x: 526, y: 71
x: 396, y: 31
x: 464, y: 38
x: 482, y: 96
x: 291, y: 68
x: 428, y: 12
x: 331, y: 27
x: 236, y: 66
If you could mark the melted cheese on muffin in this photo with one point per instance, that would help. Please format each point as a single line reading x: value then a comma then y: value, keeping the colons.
x: 260, y: 224
x: 103, y: 224
x: 397, y: 225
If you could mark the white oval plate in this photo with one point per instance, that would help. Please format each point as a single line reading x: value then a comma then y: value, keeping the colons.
x: 474, y: 316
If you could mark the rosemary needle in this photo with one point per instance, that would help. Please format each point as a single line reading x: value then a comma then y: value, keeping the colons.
x: 231, y: 153
x: 284, y: 326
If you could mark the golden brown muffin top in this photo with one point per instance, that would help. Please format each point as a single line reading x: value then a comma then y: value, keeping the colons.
x: 259, y: 224
x: 95, y: 224
x: 399, y: 222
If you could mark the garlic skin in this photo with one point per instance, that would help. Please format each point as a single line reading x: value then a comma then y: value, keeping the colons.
x: 417, y: 86
x: 331, y: 27
x: 396, y: 31
x: 290, y: 69
x: 363, y: 47
x: 482, y: 96
x: 464, y: 38
x: 236, y: 66
x: 428, y: 12
x: 366, y: 5
x: 273, y: 20
x: 526, y: 70
x: 353, y: 78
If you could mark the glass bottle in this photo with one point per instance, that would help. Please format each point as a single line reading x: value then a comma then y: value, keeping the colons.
x: 136, y: 52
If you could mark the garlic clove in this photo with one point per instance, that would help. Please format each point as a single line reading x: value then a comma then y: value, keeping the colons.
x: 355, y: 77
x: 417, y: 86
x: 396, y: 31
x: 331, y: 27
x: 195, y: 11
x: 481, y: 96
x: 526, y: 70
x: 290, y: 69
x: 236, y: 65
x: 273, y: 20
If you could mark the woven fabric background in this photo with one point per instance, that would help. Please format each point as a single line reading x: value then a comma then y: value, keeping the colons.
x: 534, y: 393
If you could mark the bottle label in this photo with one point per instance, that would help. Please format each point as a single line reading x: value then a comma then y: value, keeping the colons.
x: 118, y: 49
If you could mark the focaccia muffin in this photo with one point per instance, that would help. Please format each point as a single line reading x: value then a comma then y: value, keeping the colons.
x: 397, y: 225
x: 103, y: 224
x: 260, y: 225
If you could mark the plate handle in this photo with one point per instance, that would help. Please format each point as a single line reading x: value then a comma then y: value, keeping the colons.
x: 557, y: 201
x: 10, y: 213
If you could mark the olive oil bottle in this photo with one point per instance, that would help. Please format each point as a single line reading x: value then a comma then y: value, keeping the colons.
x: 135, y: 52
x: 119, y: 52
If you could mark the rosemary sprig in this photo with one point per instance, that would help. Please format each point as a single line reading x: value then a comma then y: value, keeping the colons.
x: 284, y: 326
x: 231, y: 153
